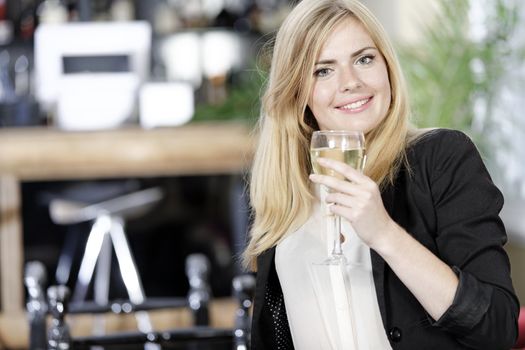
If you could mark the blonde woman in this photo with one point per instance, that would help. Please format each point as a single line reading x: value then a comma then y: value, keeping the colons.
x: 424, y: 212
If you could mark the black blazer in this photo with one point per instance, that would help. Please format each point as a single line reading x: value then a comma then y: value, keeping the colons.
x: 448, y: 202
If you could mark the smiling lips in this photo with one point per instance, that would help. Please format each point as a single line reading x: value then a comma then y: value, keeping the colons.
x: 356, y: 106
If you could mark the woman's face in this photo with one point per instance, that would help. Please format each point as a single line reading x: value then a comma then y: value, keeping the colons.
x: 351, y: 89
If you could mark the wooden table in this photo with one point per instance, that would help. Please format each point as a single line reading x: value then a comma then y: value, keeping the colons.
x: 47, y: 154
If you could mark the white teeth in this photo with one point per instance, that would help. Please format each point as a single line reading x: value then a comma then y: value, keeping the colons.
x: 355, y: 105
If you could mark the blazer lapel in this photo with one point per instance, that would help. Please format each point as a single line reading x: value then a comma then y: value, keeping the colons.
x: 378, y: 264
x: 378, y: 269
x: 264, y: 263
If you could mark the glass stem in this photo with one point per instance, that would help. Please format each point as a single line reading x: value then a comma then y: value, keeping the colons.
x: 337, y: 236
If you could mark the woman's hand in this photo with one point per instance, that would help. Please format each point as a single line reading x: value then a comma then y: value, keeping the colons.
x: 358, y: 200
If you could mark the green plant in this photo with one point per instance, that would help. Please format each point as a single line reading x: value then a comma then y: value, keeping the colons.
x: 242, y: 101
x: 454, y: 79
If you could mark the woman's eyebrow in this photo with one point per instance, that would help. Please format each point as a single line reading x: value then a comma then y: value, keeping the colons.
x: 356, y: 53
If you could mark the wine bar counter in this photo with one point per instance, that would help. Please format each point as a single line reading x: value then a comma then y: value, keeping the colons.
x: 42, y: 154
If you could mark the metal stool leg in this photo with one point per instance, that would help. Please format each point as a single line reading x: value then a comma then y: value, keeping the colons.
x: 129, y: 272
x: 65, y: 260
x: 130, y: 276
x: 103, y: 273
x: 101, y: 284
x: 101, y: 226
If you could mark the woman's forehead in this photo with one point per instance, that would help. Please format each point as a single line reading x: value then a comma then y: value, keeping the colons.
x: 348, y: 36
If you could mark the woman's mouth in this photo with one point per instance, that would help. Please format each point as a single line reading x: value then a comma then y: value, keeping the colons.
x: 356, y: 106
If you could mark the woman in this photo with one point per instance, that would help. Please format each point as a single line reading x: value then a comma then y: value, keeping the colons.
x: 425, y: 210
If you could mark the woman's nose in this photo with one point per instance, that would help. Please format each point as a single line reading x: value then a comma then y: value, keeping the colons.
x: 349, y: 81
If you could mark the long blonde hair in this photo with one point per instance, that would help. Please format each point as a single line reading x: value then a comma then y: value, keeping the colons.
x: 280, y: 192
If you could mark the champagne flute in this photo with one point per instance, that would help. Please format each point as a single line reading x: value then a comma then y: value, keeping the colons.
x: 347, y: 147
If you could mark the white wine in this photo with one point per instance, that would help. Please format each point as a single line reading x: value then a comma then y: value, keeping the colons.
x: 353, y: 157
x: 346, y: 146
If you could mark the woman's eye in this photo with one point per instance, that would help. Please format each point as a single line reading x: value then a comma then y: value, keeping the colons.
x: 322, y: 72
x: 365, y: 59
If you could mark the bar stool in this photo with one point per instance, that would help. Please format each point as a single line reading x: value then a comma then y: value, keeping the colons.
x: 107, y: 231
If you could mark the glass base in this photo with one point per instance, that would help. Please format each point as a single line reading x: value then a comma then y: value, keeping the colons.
x: 334, y: 260
x: 337, y: 260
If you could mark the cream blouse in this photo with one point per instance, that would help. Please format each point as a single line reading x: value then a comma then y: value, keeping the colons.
x: 329, y: 307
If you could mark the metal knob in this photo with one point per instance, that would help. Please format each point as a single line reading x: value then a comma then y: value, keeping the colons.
x: 197, y: 271
x: 35, y: 277
x: 244, y: 289
x: 59, y: 337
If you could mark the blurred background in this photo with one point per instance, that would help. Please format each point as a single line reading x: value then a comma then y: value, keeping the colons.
x: 100, y: 99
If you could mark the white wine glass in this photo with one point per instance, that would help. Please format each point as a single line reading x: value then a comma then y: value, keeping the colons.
x: 344, y: 146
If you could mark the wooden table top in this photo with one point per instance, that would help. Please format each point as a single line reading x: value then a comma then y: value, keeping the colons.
x: 199, y: 148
